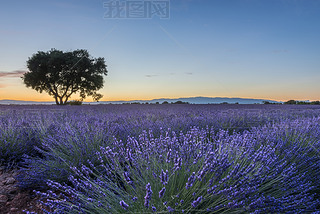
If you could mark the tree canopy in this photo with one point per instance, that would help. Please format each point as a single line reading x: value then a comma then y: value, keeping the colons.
x: 61, y: 74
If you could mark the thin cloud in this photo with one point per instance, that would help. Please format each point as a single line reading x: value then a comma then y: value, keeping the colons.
x: 151, y: 75
x: 17, y: 73
x: 189, y: 73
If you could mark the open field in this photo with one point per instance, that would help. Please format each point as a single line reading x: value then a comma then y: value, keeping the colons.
x: 166, y: 158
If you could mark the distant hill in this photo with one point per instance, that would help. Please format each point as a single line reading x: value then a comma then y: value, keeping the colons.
x: 198, y: 100
x: 191, y: 100
x: 23, y: 102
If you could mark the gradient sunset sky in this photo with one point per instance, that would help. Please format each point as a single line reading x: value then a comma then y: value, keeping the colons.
x: 267, y: 49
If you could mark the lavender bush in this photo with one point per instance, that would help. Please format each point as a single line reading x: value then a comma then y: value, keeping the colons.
x: 200, y: 171
x: 17, y: 142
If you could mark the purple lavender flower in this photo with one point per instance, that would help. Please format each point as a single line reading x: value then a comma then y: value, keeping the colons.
x: 196, y: 202
x: 127, y: 178
x: 170, y: 209
x: 147, y: 198
x: 191, y: 180
x: 154, y: 175
x: 154, y: 209
x: 168, y: 156
x: 178, y: 163
x: 161, y: 192
x: 86, y: 170
x: 124, y: 205
x: 164, y: 177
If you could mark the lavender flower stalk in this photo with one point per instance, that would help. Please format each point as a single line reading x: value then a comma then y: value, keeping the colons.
x: 124, y: 205
x: 196, y: 202
x: 161, y: 192
x: 148, y: 196
x: 164, y: 177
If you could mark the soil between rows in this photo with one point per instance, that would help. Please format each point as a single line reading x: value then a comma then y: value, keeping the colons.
x: 14, y: 200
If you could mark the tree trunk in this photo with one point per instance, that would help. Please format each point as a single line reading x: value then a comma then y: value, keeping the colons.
x: 66, y: 100
x: 61, y: 101
x: 56, y: 99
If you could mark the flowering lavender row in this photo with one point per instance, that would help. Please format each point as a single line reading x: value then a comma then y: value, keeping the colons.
x: 27, y: 127
x: 271, y: 169
x: 117, y: 119
x: 166, y: 158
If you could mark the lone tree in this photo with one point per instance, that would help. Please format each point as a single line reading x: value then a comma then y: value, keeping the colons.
x: 62, y: 74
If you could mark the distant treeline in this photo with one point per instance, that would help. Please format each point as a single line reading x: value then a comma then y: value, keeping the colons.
x: 165, y: 102
x: 302, y: 102
x: 295, y: 102
x: 290, y: 102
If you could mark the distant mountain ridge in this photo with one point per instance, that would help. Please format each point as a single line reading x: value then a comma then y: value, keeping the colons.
x: 199, y: 100
x: 191, y: 100
x: 23, y: 102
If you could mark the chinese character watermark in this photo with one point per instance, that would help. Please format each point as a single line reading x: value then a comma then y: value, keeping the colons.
x: 137, y: 9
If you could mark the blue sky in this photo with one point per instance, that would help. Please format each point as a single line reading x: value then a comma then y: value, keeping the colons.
x: 218, y: 48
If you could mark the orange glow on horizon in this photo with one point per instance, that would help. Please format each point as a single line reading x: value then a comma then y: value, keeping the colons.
x: 19, y: 92
x: 89, y: 99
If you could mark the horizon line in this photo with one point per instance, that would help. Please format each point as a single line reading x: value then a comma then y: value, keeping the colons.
x: 162, y: 98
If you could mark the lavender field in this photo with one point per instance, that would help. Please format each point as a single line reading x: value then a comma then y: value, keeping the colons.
x: 166, y: 158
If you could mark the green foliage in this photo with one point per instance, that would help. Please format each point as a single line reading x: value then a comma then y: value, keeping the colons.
x: 61, y: 74
x: 75, y: 103
x: 291, y: 102
x: 180, y: 102
x: 268, y: 103
x: 302, y: 102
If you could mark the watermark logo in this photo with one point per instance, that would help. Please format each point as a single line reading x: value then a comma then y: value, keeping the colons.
x: 143, y: 9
